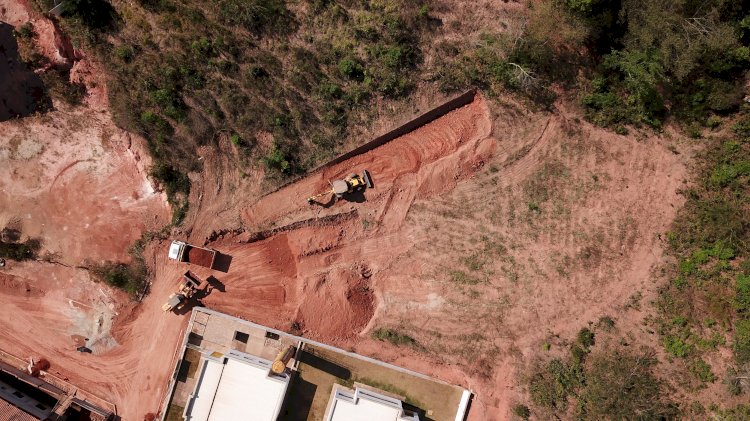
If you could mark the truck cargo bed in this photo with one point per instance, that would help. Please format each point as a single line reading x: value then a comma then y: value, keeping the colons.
x: 199, y: 256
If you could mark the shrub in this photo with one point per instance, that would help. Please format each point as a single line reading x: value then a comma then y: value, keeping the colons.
x: 124, y: 53
x: 522, y: 411
x: 393, y: 336
x: 276, y: 159
x: 92, y: 13
x: 27, y: 250
x: 742, y: 127
x: 586, y: 338
x: 130, y: 278
x: 255, y: 16
x: 676, y: 346
x: 620, y: 385
x: 173, y: 180
x: 25, y: 31
x: 742, y: 296
x: 550, y: 387
x: 351, y: 68
x: 702, y: 371
x: 742, y: 341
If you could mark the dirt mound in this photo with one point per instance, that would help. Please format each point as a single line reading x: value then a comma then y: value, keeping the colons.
x: 337, y: 305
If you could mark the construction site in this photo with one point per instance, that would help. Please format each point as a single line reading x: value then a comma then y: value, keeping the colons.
x: 409, y: 277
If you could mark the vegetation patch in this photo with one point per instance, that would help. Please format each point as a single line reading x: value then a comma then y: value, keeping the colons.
x: 393, y: 336
x: 26, y: 250
x: 610, y: 383
x: 709, y: 296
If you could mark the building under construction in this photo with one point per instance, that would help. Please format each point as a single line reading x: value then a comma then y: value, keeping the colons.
x: 27, y: 397
x: 231, y: 369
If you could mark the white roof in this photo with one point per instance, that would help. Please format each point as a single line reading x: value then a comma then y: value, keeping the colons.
x: 174, y: 249
x: 243, y: 391
x: 365, y: 406
x: 363, y: 410
x: 247, y: 393
x: 205, y: 391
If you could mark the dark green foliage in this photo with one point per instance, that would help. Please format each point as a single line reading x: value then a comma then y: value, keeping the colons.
x: 613, y: 383
x: 129, y: 278
x: 661, y: 51
x: 231, y: 66
x: 278, y: 160
x: 25, y: 31
x: 393, y: 336
x: 550, y: 387
x: 522, y: 411
x: 255, y: 16
x: 20, y: 251
x: 742, y: 340
x: 621, y: 386
x: 124, y: 53
x: 586, y: 338
x: 177, y: 186
x: 710, y: 238
x: 351, y: 68
x: 639, y: 74
x: 742, y: 126
x: 173, y: 180
x: 92, y: 13
x: 702, y: 371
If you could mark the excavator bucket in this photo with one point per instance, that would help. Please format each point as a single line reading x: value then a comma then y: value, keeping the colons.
x: 368, y: 180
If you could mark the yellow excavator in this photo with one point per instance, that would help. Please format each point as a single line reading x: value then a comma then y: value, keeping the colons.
x: 352, y: 183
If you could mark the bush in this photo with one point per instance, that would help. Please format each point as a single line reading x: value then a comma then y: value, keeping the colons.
x: 621, y: 386
x: 173, y: 181
x: 586, y: 338
x: 92, y: 13
x: 551, y: 386
x: 742, y: 296
x: 124, y: 53
x: 522, y: 411
x: 677, y: 347
x: 742, y: 341
x: 351, y: 68
x: 742, y: 127
x: 130, y: 278
x: 702, y: 371
x: 27, y: 250
x: 277, y: 160
x: 393, y: 336
x: 25, y: 31
x: 255, y: 16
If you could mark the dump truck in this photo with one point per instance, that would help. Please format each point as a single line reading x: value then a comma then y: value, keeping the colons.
x: 188, y: 287
x: 184, y: 252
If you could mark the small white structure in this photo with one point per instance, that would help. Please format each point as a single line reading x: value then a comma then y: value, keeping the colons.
x: 234, y: 387
x: 365, y: 405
